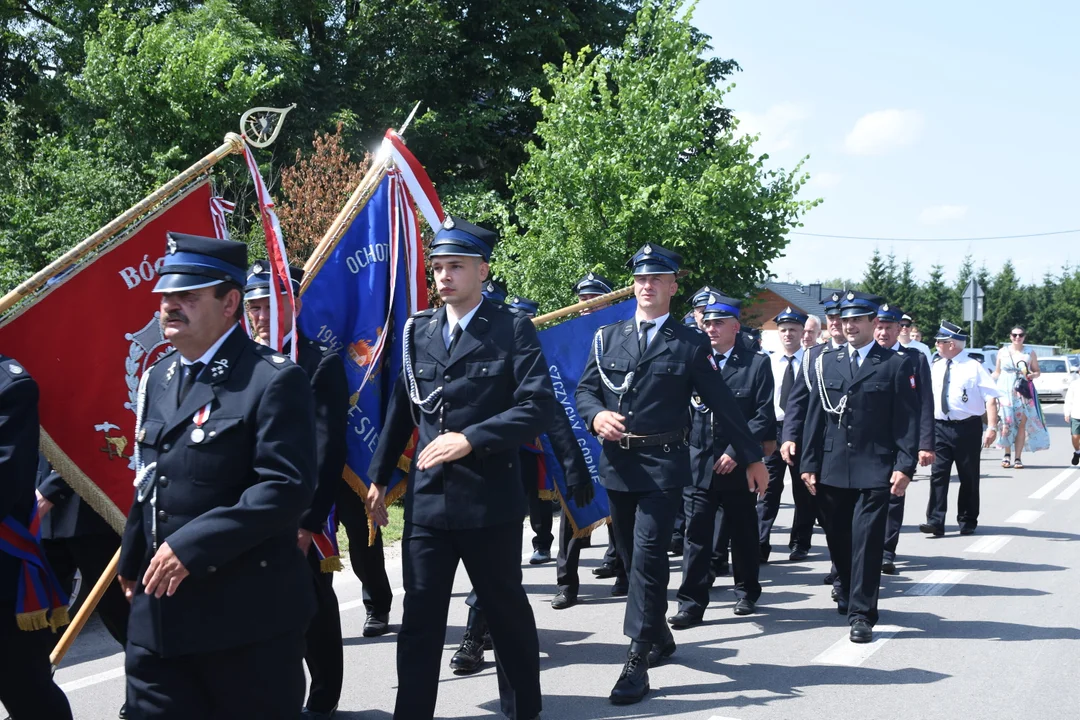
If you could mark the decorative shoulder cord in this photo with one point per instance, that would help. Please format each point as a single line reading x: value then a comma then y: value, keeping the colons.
x: 837, y: 409
x: 144, y: 476
x: 598, y: 350
x: 432, y: 402
x: 806, y: 369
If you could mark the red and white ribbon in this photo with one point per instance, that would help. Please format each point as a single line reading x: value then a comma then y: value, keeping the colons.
x: 219, y: 208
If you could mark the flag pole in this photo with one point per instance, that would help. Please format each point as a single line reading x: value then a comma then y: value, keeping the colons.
x: 584, y: 305
x: 85, y: 611
x: 233, y: 144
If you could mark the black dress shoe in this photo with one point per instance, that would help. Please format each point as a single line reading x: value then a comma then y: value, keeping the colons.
x: 633, y: 683
x: 969, y: 530
x: 539, y: 557
x: 744, y: 607
x: 566, y: 598
x: 798, y: 555
x: 376, y: 625
x: 621, y: 588
x: 661, y: 652
x: 488, y: 645
x: 888, y: 567
x: 604, y: 572
x: 123, y: 712
x: 861, y: 632
x: 841, y: 607
x: 828, y: 579
x: 931, y: 529
x: 469, y: 657
x: 683, y: 619
x: 834, y: 594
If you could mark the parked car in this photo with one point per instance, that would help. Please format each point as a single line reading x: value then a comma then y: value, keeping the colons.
x: 1055, y: 376
x: 989, y: 357
x: 1074, y: 362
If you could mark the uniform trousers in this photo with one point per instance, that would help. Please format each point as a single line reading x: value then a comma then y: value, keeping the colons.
x: 957, y: 442
x: 679, y: 533
x: 492, y: 557
x: 262, y: 680
x: 541, y: 512
x: 368, y: 562
x: 566, y: 563
x: 806, y: 511
x: 27, y: 690
x: 893, y: 525
x: 855, y: 530
x: 324, y: 653
x: 90, y: 555
x: 731, y: 493
x: 643, y: 526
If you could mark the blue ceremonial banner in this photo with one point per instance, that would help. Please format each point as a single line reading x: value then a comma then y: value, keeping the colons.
x: 566, y: 347
x: 357, y: 303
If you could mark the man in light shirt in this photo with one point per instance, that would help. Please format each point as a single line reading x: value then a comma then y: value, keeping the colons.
x: 908, y: 341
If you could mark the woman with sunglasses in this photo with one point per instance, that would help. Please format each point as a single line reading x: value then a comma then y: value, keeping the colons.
x: 1021, y: 420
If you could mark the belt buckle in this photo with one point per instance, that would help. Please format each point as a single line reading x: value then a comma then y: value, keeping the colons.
x: 624, y: 442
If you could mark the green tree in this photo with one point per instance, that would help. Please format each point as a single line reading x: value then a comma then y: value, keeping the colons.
x: 906, y: 290
x: 1040, y: 310
x: 880, y: 276
x: 954, y: 306
x: 931, y: 301
x: 628, y: 155
x: 1003, y: 306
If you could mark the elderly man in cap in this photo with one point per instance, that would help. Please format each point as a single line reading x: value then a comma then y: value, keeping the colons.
x: 226, y: 469
x: 476, y: 385
x: 719, y: 479
x: 963, y: 391
x: 330, y: 391
x: 638, y: 381
x: 886, y: 331
x: 862, y: 441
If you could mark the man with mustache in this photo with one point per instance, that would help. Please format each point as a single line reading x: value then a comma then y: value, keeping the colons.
x: 220, y: 594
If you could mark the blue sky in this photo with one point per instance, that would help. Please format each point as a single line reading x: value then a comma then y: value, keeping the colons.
x: 921, y: 120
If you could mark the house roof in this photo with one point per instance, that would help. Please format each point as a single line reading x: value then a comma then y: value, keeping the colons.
x: 808, y: 298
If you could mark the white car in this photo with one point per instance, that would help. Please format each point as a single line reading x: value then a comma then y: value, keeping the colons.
x: 1055, y: 376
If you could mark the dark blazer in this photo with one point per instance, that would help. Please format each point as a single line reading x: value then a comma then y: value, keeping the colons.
x: 229, y: 506
x: 878, y: 433
x: 675, y: 366
x: 70, y: 517
x: 926, y: 396
x: 749, y: 376
x: 799, y: 398
x: 496, y: 391
x: 330, y: 389
x: 19, y: 435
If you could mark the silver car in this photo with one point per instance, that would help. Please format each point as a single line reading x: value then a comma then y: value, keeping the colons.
x: 1055, y: 376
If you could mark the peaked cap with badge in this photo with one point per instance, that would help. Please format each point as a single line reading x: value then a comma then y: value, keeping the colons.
x: 459, y: 237
x: 791, y: 315
x: 720, y: 307
x: 593, y: 284
x: 858, y: 304
x: 193, y: 262
x: 529, y: 307
x: 494, y: 291
x: 948, y: 331
x: 652, y: 259
x: 701, y: 298
x: 258, y: 280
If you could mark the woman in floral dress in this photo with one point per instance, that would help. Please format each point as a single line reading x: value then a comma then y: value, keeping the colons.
x: 1021, y: 419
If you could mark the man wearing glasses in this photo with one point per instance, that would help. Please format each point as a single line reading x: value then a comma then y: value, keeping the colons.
x: 907, y: 328
x: 963, y: 391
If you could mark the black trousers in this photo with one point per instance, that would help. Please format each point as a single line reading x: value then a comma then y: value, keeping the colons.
x: 492, y: 557
x: 324, y: 654
x: 27, y: 690
x: 368, y: 563
x: 566, y: 563
x: 541, y: 512
x: 731, y: 493
x: 679, y: 533
x: 959, y: 443
x: 806, y: 510
x: 643, y: 526
x: 90, y: 555
x: 263, y: 680
x: 855, y: 530
x: 893, y: 524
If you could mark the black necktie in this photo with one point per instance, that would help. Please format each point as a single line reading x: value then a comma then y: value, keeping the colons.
x: 787, y: 382
x: 643, y: 336
x: 945, y: 389
x: 455, y: 335
x: 854, y: 362
x: 720, y: 357
x: 190, y: 373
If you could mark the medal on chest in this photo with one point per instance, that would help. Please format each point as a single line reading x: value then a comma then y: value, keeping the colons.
x: 963, y: 398
x: 198, y: 434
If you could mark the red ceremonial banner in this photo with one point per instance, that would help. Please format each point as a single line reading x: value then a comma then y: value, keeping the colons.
x: 87, y: 340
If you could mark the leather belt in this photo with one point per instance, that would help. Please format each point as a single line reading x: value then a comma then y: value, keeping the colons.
x: 630, y: 442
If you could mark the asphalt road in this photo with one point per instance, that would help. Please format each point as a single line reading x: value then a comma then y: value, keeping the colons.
x: 971, y: 627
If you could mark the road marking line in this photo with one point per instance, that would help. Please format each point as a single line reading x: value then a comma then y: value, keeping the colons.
x: 1023, y: 517
x: 936, y: 583
x: 718, y: 717
x: 93, y: 679
x: 1069, y: 491
x: 1049, y: 487
x: 988, y: 544
x: 845, y: 652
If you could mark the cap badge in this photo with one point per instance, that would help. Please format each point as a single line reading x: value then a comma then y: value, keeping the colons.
x: 170, y: 246
x: 647, y: 249
x: 257, y: 268
x: 592, y: 276
x: 885, y: 307
x: 15, y: 369
x: 448, y: 223
x: 279, y: 359
x: 787, y: 311
x: 713, y: 299
x: 851, y: 296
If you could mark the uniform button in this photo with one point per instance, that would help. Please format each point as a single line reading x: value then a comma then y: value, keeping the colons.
x: 163, y: 481
x: 850, y: 445
x: 162, y: 516
x: 630, y: 413
x: 446, y: 377
x: 483, y: 370
x: 166, y: 447
x: 262, y: 563
x: 211, y: 569
x: 633, y: 390
x: 509, y: 465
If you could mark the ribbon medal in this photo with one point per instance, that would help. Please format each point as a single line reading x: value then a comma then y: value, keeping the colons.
x: 198, y: 434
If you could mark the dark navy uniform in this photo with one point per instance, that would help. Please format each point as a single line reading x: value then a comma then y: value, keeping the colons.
x: 646, y: 471
x: 867, y: 430
x: 494, y: 388
x: 749, y: 377
x: 27, y: 689
x: 226, y: 491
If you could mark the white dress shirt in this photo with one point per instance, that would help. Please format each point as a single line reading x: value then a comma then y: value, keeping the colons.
x: 921, y: 348
x: 779, y: 367
x: 969, y: 387
x: 861, y: 352
x: 659, y: 322
x: 452, y: 322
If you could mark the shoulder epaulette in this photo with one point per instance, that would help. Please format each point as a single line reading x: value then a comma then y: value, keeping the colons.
x: 168, y: 355
x: 274, y: 358
x: 424, y: 313
x: 14, y: 369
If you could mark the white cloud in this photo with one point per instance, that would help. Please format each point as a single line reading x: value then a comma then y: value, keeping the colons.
x: 778, y: 126
x: 879, y: 132
x: 824, y: 180
x: 937, y: 214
